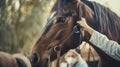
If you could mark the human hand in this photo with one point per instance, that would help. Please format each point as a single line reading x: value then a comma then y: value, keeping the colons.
x: 85, y: 26
x: 83, y: 23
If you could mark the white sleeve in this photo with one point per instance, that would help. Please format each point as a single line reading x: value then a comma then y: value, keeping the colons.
x: 110, y: 47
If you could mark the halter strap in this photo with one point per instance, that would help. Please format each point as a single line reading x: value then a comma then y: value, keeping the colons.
x: 76, y: 29
x: 61, y: 44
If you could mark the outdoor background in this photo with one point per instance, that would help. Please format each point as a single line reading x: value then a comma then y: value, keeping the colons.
x: 22, y: 20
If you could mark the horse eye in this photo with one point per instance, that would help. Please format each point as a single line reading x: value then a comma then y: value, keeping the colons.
x: 61, y: 20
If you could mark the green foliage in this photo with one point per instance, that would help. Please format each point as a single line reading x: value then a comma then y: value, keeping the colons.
x: 21, y: 22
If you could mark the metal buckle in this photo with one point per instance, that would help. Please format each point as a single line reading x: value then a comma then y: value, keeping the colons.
x: 76, y: 29
x: 57, y: 48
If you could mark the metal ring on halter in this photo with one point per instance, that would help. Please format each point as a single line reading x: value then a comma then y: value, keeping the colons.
x: 76, y: 29
x: 55, y: 48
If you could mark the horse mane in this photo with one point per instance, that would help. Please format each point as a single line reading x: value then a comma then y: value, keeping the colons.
x: 107, y: 22
x: 59, y: 4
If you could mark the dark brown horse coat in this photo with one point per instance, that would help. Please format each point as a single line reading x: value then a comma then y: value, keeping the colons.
x: 61, y: 25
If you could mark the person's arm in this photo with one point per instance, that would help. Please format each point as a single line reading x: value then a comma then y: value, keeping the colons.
x: 110, y: 47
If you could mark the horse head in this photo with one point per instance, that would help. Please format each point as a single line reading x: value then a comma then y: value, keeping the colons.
x: 59, y: 30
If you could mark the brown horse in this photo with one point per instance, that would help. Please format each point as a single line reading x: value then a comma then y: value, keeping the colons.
x: 61, y: 23
x: 15, y: 60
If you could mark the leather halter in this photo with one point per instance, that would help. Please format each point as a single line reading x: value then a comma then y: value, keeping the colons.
x: 58, y: 48
x: 76, y: 29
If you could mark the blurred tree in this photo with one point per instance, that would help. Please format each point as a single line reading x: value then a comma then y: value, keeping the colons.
x: 8, y: 16
x: 21, y: 22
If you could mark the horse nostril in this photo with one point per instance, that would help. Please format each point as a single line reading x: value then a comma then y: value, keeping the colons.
x: 35, y: 58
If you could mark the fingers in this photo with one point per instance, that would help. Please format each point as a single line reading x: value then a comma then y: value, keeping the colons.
x: 83, y: 18
x: 81, y: 22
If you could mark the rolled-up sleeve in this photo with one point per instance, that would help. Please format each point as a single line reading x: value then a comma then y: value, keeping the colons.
x: 110, y: 47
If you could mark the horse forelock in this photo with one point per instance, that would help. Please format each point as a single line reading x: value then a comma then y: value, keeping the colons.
x: 61, y: 4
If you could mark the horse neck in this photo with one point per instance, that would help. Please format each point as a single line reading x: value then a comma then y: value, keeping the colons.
x: 88, y: 14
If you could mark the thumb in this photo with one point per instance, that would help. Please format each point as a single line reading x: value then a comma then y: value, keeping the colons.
x: 82, y: 20
x: 79, y: 22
